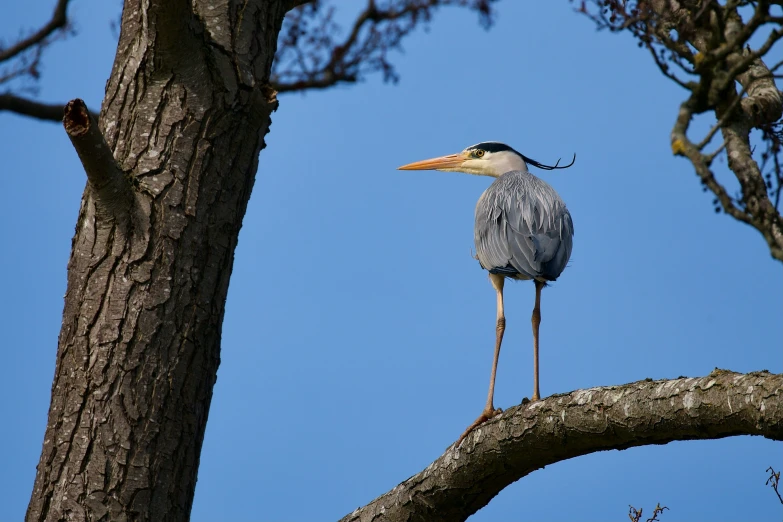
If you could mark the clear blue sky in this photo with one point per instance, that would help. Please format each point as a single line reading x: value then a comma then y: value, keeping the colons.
x: 358, y: 332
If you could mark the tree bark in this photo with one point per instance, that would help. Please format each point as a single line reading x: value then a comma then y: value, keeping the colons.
x: 537, y: 434
x: 185, y: 113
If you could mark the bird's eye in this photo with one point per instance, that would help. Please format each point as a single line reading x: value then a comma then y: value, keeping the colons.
x: 479, y: 153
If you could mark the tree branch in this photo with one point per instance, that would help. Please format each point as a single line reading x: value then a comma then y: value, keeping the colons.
x: 112, y: 189
x: 27, y: 107
x: 682, y: 145
x: 673, y: 30
x: 58, y: 21
x: 774, y: 481
x: 537, y: 434
x: 310, y: 56
x: 24, y: 58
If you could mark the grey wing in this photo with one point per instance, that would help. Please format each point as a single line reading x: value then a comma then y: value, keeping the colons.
x: 523, y: 227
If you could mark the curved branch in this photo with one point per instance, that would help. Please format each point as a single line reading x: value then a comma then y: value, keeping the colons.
x: 111, y: 187
x: 528, y: 437
x: 58, y: 21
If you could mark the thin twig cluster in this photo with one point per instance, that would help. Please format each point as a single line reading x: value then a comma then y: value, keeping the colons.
x: 315, y: 52
x: 636, y: 515
x: 774, y: 481
x: 20, y: 63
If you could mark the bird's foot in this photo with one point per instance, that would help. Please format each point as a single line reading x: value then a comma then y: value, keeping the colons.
x: 487, y: 414
x: 535, y: 397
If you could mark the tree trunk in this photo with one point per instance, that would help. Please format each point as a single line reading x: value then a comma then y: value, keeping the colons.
x: 185, y: 113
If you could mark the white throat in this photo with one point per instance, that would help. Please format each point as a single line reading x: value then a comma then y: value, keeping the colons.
x: 505, y: 161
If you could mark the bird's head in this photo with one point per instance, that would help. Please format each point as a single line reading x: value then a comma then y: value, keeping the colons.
x: 488, y: 158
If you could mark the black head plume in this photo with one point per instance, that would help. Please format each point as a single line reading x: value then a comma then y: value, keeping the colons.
x: 541, y: 166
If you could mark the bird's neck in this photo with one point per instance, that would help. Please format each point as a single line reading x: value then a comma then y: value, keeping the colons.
x: 507, y: 163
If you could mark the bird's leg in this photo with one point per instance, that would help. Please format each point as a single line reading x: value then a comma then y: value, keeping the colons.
x: 500, y: 328
x: 489, y: 408
x: 536, y: 321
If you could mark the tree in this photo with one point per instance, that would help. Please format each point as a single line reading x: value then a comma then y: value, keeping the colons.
x: 705, y: 48
x: 150, y: 251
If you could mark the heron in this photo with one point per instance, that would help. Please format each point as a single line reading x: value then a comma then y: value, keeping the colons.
x: 523, y: 231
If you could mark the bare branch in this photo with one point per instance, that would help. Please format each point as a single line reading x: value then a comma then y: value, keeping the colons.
x: 310, y: 55
x: 111, y: 187
x: 664, y: 67
x: 59, y: 20
x: 23, y: 61
x: 709, y: 158
x: 682, y: 146
x: 27, y: 107
x: 528, y: 437
x: 728, y: 113
x: 774, y: 481
x: 636, y: 515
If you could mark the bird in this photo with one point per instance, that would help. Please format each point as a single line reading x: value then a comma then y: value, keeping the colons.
x: 523, y: 231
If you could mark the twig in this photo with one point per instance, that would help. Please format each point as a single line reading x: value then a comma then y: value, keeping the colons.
x: 681, y: 145
x: 310, y: 56
x: 721, y: 122
x: 773, y: 481
x: 665, y: 68
x: 58, y: 21
x: 112, y: 189
x: 636, y: 516
x: 709, y: 158
x: 752, y: 56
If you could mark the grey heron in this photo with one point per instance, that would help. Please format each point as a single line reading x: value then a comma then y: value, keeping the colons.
x: 523, y: 231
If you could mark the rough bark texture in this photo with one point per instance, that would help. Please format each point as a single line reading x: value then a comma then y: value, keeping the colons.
x: 528, y: 437
x: 185, y: 112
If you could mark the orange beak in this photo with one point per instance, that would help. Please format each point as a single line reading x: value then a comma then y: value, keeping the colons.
x: 442, y: 162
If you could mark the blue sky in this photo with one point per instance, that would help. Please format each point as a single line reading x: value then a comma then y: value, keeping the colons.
x: 358, y: 333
